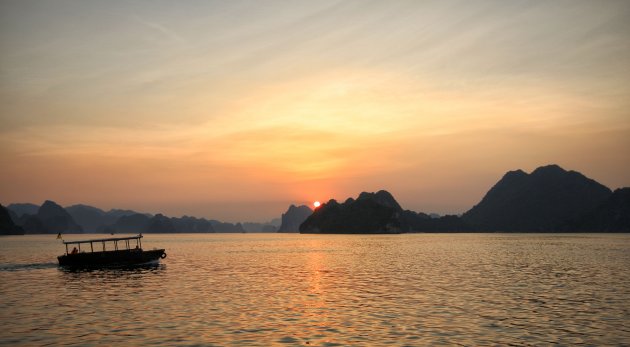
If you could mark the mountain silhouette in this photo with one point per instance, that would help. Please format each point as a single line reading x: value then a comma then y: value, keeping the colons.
x: 93, y: 219
x: 370, y: 213
x: 292, y: 219
x: 132, y: 224
x: 612, y: 215
x: 542, y: 201
x: 88, y: 217
x: 422, y: 222
x: 21, y: 209
x: 50, y: 219
x: 160, y: 224
x: 7, y: 226
x: 224, y: 227
x: 188, y: 224
x: 14, y: 217
x: 253, y: 227
x: 549, y: 199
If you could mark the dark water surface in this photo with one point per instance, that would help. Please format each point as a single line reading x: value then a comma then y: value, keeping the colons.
x: 325, y: 290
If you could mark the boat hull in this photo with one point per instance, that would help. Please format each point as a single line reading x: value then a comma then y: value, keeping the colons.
x: 112, y: 258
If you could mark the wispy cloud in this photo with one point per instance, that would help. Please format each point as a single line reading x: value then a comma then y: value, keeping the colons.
x: 165, y: 32
x: 218, y: 100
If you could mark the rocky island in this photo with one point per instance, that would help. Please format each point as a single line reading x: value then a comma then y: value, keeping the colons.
x: 293, y: 218
x: 370, y: 213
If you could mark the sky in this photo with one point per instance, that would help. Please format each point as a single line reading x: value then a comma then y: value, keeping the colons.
x: 235, y: 109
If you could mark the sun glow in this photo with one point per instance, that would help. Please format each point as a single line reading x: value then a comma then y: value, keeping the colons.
x: 316, y: 204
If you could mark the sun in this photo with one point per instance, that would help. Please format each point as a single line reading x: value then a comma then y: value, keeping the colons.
x: 316, y: 204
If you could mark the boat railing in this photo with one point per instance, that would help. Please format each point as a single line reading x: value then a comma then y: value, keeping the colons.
x: 115, y: 240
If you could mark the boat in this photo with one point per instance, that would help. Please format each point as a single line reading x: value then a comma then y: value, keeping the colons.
x: 111, y: 252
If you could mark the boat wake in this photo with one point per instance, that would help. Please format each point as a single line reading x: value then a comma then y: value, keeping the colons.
x: 24, y: 267
x: 114, y: 270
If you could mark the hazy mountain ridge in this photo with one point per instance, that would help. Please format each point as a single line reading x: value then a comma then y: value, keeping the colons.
x: 21, y: 209
x: 95, y: 220
x: 253, y: 227
x: 50, y: 218
x: 89, y: 219
x: 188, y: 224
x: 7, y: 226
x: 225, y: 227
x: 550, y: 199
x: 293, y: 218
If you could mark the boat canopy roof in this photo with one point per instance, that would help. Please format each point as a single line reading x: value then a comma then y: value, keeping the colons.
x: 137, y: 237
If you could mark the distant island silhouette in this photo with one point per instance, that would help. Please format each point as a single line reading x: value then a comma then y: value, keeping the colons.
x: 293, y: 218
x: 370, y: 213
x: 550, y: 199
x: 7, y: 226
x: 51, y: 218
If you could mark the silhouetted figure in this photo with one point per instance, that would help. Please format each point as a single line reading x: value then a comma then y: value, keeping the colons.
x: 75, y: 250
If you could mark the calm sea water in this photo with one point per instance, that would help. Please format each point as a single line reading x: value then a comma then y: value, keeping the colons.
x: 325, y: 290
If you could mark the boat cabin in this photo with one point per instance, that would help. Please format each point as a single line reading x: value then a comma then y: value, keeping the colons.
x: 101, y: 244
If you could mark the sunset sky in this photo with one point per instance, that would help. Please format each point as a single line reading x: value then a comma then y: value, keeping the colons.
x: 235, y: 109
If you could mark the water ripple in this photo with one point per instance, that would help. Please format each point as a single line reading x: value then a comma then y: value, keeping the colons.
x: 326, y: 290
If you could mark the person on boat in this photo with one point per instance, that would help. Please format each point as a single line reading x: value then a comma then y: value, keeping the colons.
x: 74, y: 251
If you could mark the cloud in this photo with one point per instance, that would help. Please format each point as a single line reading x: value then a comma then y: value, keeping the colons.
x: 165, y: 32
x: 214, y: 101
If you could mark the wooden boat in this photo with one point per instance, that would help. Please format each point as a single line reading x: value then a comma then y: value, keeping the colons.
x: 116, y: 255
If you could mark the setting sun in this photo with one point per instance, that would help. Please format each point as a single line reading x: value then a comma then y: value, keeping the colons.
x: 316, y: 204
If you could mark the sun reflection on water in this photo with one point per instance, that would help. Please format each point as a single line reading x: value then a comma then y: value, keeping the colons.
x: 326, y: 290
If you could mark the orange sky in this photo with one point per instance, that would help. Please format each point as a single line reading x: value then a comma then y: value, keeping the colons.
x: 233, y: 111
